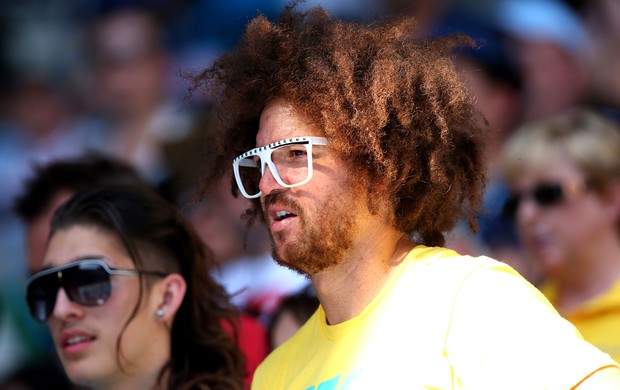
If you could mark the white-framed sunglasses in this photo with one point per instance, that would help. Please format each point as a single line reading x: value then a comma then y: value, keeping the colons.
x: 289, y: 160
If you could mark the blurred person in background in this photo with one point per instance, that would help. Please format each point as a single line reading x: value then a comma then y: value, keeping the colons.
x: 126, y: 293
x: 133, y: 90
x: 291, y: 313
x: 602, y: 21
x: 42, y: 116
x: 551, y: 46
x: 43, y: 123
x: 564, y: 174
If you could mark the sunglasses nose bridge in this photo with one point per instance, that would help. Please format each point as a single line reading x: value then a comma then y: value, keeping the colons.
x: 64, y: 306
x: 528, y: 209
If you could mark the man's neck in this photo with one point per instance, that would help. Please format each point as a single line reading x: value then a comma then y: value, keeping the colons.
x: 346, y: 289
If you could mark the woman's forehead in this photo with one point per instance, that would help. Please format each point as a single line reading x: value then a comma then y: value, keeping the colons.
x: 85, y: 241
x: 550, y: 169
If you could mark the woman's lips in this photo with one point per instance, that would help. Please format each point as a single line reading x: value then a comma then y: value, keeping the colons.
x: 75, y: 341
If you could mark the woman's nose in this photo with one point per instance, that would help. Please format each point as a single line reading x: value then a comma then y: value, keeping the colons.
x: 64, y: 308
x: 527, y: 210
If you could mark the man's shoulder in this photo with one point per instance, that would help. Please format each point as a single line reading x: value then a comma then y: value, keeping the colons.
x: 447, y: 261
x: 432, y: 279
x: 443, y: 272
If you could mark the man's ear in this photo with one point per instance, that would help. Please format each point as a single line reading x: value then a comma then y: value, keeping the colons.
x: 169, y: 293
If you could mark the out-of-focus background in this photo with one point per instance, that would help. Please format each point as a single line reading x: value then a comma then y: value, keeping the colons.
x: 80, y: 75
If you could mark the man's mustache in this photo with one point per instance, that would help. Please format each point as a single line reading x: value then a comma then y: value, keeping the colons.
x: 278, y: 197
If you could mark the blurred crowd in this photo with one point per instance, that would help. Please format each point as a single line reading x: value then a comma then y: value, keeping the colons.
x: 108, y: 77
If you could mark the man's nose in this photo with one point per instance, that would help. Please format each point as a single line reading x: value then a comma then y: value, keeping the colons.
x: 268, y: 181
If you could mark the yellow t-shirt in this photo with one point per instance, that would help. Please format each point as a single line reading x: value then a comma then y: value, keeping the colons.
x: 444, y: 321
x: 598, y: 320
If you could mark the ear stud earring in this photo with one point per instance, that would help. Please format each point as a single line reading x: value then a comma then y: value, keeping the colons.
x: 160, y: 313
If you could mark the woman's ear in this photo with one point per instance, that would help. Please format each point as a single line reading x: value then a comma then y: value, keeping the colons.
x: 169, y: 293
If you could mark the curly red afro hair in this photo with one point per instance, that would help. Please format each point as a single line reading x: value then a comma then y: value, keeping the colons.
x: 393, y: 105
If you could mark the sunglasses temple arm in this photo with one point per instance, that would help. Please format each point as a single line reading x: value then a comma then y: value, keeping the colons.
x: 131, y: 272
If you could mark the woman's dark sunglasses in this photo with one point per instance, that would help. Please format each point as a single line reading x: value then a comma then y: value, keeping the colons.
x: 544, y: 195
x: 86, y: 282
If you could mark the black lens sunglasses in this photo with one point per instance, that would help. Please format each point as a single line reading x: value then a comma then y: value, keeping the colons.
x: 86, y: 282
x: 544, y: 194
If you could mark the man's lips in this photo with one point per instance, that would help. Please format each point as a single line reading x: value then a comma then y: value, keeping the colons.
x: 280, y: 211
x: 282, y: 214
x: 280, y: 218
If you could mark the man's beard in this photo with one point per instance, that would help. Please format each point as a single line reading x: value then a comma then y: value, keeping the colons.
x: 322, y: 243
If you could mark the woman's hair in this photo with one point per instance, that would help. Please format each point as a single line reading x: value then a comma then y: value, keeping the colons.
x: 392, y: 105
x: 156, y: 237
x: 586, y: 137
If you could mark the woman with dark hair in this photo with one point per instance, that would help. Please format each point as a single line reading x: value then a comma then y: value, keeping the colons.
x: 128, y: 298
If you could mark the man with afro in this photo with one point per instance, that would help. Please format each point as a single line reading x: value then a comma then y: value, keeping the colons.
x: 361, y: 148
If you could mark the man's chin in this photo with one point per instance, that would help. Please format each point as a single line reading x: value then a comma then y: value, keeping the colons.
x: 293, y: 266
x: 290, y: 262
x: 310, y: 251
x: 305, y: 265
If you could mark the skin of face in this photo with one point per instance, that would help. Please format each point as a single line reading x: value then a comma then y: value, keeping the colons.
x: 560, y: 237
x: 132, y: 76
x: 329, y: 213
x: 93, y: 362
